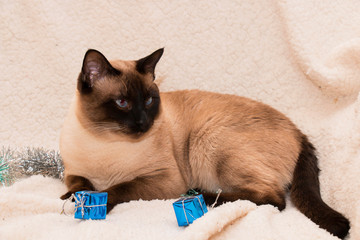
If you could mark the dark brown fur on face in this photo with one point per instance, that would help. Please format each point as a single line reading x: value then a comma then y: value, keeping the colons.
x: 156, y: 146
x: 101, y: 85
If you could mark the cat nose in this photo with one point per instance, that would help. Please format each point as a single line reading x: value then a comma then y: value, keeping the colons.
x: 142, y: 125
x: 142, y: 121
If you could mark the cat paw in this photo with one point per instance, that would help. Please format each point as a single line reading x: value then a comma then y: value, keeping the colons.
x: 66, y: 195
x: 109, y: 207
x: 111, y: 201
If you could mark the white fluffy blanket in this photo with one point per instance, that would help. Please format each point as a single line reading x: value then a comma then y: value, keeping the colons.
x: 31, y: 210
x: 302, y: 57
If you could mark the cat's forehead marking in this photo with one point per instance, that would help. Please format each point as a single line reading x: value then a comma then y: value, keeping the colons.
x: 115, y: 86
x: 128, y: 82
x: 108, y: 87
x: 129, y: 68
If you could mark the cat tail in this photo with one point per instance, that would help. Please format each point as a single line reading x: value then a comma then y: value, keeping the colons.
x: 305, y: 193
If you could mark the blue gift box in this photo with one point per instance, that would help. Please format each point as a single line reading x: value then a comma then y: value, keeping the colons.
x: 90, y: 205
x: 188, y: 209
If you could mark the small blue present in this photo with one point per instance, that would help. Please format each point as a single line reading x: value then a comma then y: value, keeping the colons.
x: 188, y: 209
x: 90, y: 205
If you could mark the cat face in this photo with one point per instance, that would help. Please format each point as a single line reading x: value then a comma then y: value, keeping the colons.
x: 120, y: 96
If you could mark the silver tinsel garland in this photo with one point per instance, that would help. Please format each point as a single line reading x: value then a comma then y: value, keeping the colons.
x: 19, y: 163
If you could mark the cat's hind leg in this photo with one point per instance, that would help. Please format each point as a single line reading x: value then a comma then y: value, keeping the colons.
x: 276, y: 199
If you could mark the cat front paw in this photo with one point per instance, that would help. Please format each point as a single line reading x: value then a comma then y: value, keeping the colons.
x: 66, y: 195
x: 109, y: 207
x: 112, y: 200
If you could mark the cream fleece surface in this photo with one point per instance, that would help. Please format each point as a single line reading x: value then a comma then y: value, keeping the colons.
x: 301, y: 57
x: 31, y: 210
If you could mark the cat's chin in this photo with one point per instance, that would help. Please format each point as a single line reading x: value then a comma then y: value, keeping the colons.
x: 136, y: 135
x: 138, y: 132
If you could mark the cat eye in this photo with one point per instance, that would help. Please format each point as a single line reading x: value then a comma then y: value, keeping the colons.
x: 148, y: 101
x: 122, y: 103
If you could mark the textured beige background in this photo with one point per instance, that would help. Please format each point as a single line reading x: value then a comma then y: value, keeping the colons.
x: 301, y: 57
x: 238, y: 47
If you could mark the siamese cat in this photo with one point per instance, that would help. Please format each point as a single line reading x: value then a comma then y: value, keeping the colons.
x: 124, y: 137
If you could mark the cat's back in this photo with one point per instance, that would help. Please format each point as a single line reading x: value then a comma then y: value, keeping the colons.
x: 204, y: 107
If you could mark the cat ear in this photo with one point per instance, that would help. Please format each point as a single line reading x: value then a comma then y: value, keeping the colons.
x: 147, y: 64
x: 95, y: 66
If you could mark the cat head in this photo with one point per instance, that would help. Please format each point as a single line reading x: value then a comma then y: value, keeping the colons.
x: 119, y: 96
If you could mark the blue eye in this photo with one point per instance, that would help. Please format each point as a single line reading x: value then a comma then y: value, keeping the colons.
x: 148, y: 101
x: 122, y: 103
